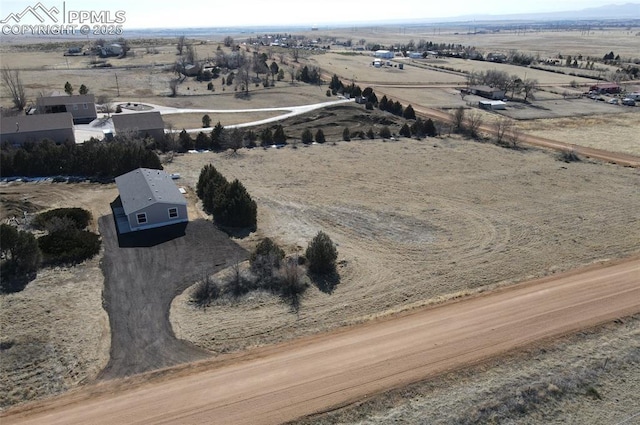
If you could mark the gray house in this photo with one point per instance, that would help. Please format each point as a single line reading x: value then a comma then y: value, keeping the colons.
x: 23, y: 128
x: 148, y: 199
x: 143, y: 124
x: 81, y: 107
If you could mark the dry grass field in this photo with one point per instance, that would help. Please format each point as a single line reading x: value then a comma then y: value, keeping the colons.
x: 416, y: 222
x: 413, y: 221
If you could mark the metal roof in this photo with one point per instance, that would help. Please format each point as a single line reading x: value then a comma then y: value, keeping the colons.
x: 143, y: 187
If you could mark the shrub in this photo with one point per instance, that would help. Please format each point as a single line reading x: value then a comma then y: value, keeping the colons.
x: 205, y: 292
x: 321, y: 254
x: 267, y: 248
x: 307, y: 137
x: 346, y: 134
x: 385, y: 133
x: 21, y: 258
x: 320, y: 136
x: 79, y: 218
x: 405, y: 130
x: 292, y: 285
x: 370, y: 134
x: 69, y: 247
x: 569, y: 156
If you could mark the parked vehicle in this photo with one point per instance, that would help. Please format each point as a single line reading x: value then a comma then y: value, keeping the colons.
x: 628, y: 102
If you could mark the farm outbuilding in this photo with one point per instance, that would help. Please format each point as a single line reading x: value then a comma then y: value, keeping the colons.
x: 610, y: 88
x: 383, y: 54
x: 148, y: 199
x: 488, y: 92
x: 34, y: 128
x: 492, y: 105
x: 142, y: 124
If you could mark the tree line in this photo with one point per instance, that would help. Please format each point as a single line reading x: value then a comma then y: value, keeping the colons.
x: 91, y: 159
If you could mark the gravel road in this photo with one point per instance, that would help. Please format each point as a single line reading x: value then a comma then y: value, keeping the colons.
x: 140, y: 283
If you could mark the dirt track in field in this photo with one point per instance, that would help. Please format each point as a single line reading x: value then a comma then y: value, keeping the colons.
x: 140, y: 283
x: 315, y: 374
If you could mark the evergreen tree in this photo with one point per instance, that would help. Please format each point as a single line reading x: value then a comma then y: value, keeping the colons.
x: 346, y: 134
x: 279, y: 136
x: 266, y: 137
x: 405, y: 131
x: 83, y: 90
x: 307, y: 137
x: 320, y: 136
x: 409, y: 113
x: 217, y: 137
x: 68, y: 89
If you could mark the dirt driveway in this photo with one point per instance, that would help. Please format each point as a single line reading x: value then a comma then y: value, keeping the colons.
x: 140, y: 283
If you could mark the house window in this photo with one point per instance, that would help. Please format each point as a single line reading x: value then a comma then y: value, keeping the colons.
x: 142, y: 218
x: 173, y: 213
x: 85, y: 106
x: 75, y: 107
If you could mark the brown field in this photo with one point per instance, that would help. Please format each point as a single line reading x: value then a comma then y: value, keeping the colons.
x: 415, y: 222
x: 194, y: 120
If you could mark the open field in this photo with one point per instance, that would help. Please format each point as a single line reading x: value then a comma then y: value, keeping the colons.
x: 613, y: 132
x: 543, y: 43
x: 413, y: 221
x: 416, y: 222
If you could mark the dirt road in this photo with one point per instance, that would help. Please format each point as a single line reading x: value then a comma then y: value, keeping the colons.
x: 288, y: 381
x: 623, y: 159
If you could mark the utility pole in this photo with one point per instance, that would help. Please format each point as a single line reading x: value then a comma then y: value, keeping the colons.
x: 117, y: 85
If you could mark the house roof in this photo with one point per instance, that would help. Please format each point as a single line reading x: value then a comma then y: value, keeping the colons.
x: 65, y: 100
x: 31, y: 123
x: 487, y: 89
x: 138, y: 121
x: 143, y: 187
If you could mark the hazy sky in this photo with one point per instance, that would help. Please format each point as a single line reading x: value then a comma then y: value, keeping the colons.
x: 219, y: 13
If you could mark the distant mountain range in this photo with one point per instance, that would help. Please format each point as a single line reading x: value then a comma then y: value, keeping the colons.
x: 612, y: 11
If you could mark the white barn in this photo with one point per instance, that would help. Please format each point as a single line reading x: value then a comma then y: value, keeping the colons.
x: 148, y: 199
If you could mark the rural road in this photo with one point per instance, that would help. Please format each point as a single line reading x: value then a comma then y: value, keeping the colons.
x: 287, y: 381
x: 623, y: 159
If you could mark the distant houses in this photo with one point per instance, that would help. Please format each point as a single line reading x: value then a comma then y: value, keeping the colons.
x: 608, y: 88
x: 33, y: 128
x: 148, y: 199
x: 143, y: 125
x: 81, y: 107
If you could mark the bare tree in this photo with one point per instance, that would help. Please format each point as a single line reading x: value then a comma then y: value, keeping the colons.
x: 228, y: 41
x: 281, y: 58
x: 244, y: 76
x: 474, y: 121
x: 514, y: 136
x: 502, y: 128
x: 182, y: 42
x: 458, y: 119
x: 292, y: 73
x: 11, y: 79
x: 295, y: 52
x: 173, y: 86
x: 528, y: 87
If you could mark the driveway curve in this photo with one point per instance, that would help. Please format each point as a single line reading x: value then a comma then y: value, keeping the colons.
x: 142, y: 276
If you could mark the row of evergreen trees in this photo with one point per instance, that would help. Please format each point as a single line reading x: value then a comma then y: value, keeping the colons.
x: 90, y: 159
x: 229, y: 203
